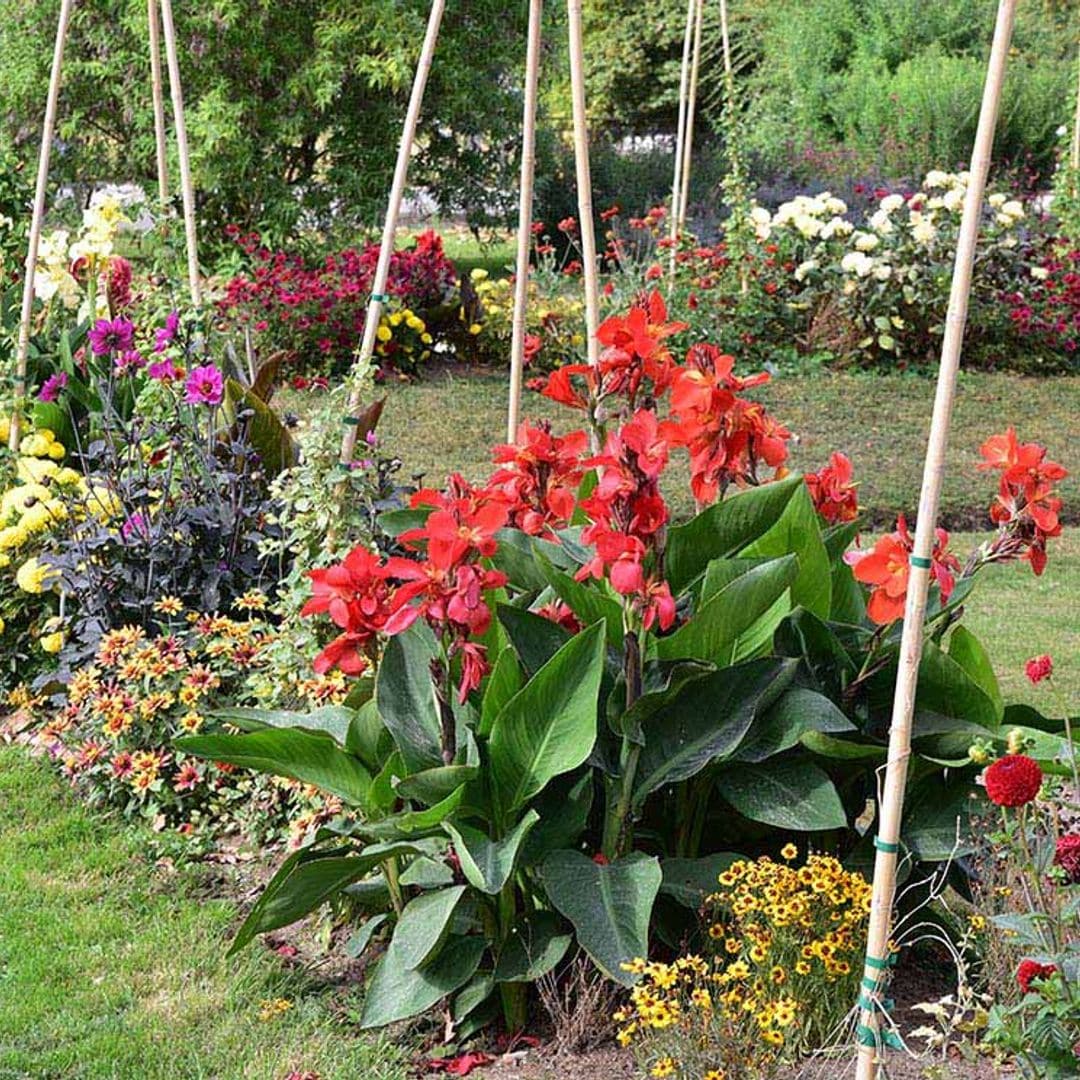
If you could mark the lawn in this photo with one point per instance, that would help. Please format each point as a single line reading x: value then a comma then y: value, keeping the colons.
x: 450, y: 420
x: 112, y: 968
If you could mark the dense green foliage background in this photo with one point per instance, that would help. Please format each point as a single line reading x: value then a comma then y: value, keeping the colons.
x: 294, y: 107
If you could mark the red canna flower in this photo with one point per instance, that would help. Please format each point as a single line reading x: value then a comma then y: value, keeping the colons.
x: 832, y: 490
x: 561, y: 614
x: 1013, y: 780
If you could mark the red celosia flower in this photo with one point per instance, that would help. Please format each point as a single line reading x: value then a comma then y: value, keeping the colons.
x: 832, y: 490
x: 1067, y: 856
x: 1039, y: 668
x: 1013, y: 780
x: 1030, y: 970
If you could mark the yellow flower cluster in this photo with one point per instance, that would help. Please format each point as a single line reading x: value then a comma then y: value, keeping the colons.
x: 404, y: 336
x: 785, y: 972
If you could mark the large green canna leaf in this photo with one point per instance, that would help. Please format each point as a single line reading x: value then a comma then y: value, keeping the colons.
x: 333, y: 720
x: 265, y: 431
x: 405, y: 696
x: 311, y: 757
x: 730, y: 617
x: 706, y: 721
x: 535, y: 639
x: 788, y: 794
x: 589, y: 603
x: 609, y: 906
x: 534, y: 945
x: 398, y: 992
x: 527, y: 559
x: 946, y: 687
x: 564, y: 807
x: 689, y: 881
x: 937, y: 823
x: 307, y: 879
x: 487, y: 864
x: 431, y: 786
x: 549, y: 726
x: 505, y: 681
x: 425, y: 924
x: 724, y: 529
x: 798, y: 531
x: 781, y: 726
x: 967, y: 651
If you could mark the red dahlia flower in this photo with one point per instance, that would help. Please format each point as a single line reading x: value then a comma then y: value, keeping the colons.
x: 1013, y: 780
x: 1067, y: 856
x: 1039, y: 668
x: 1030, y: 970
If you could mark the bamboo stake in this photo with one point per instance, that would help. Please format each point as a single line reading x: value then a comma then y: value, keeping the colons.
x: 915, y: 612
x: 38, y: 216
x: 680, y: 136
x: 524, y: 237
x: 691, y: 104
x: 386, y: 249
x: 186, y: 190
x: 159, y: 103
x: 1074, y: 156
x: 584, y: 180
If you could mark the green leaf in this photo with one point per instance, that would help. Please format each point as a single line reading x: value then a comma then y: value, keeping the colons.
x: 723, y: 529
x: 549, y: 726
x: 424, y: 925
x: 781, y: 726
x: 311, y: 757
x: 431, y: 786
x: 263, y: 430
x: 609, y: 906
x: 798, y: 531
x: 473, y: 996
x: 706, y: 722
x: 358, y: 943
x: 713, y: 633
x: 395, y: 522
x: 590, y: 603
x: 689, y: 881
x: 332, y: 720
x: 789, y: 794
x: 487, y: 864
x: 534, y: 945
x: 406, y: 697
x: 505, y: 681
x: 564, y: 807
x: 535, y: 639
x: 945, y: 687
x: 398, y: 992
x: 966, y: 649
x: 525, y: 559
x: 938, y: 813
x: 662, y: 686
x: 306, y: 880
x: 840, y: 749
x: 412, y: 823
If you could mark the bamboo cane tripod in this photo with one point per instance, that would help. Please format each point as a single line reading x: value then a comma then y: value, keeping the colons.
x: 41, y: 185
x: 887, y: 842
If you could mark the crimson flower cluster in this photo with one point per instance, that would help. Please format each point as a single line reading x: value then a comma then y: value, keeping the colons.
x: 320, y: 310
x: 1026, y: 507
x: 1049, y: 312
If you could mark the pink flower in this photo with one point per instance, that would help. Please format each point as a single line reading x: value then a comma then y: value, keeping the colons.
x: 111, y: 335
x: 165, y: 335
x: 165, y: 371
x: 51, y: 387
x: 205, y: 386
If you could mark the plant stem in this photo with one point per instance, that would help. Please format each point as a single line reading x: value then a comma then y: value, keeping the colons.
x: 616, y: 831
x: 393, y: 883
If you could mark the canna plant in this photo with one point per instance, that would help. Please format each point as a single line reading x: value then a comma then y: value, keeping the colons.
x: 569, y: 713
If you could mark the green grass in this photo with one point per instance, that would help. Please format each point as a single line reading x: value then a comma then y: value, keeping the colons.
x: 451, y: 419
x: 114, y: 969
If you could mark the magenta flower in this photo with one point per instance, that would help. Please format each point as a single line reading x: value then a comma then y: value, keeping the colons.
x: 135, y: 526
x: 205, y: 386
x: 51, y: 387
x: 164, y: 371
x: 112, y: 335
x: 167, y: 333
x: 129, y: 362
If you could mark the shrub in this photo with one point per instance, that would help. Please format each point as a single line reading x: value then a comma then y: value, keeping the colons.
x: 315, y: 313
x: 576, y: 703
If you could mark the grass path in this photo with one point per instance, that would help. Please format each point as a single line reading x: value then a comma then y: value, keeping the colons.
x: 113, y: 969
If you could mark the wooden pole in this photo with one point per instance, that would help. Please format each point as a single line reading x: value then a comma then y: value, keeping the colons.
x: 524, y: 237
x: 584, y: 180
x: 1074, y: 156
x: 892, y: 803
x: 386, y: 249
x: 38, y: 216
x: 725, y: 41
x: 691, y: 104
x: 186, y: 190
x: 680, y: 137
x: 159, y: 103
